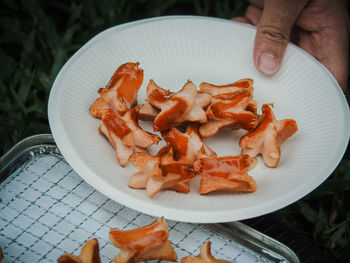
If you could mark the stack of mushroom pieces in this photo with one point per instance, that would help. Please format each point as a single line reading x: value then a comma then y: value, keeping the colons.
x: 183, y: 119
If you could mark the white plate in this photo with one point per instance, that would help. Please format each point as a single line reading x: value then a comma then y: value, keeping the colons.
x: 172, y: 50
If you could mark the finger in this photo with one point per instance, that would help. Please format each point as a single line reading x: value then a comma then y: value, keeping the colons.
x: 273, y: 33
x: 337, y: 62
x: 327, y: 39
x: 253, y: 14
x: 257, y: 3
x: 331, y: 48
x: 241, y: 19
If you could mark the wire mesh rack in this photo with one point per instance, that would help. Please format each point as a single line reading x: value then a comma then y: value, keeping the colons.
x: 46, y: 210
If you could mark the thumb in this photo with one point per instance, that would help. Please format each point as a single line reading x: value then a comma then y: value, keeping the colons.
x: 273, y: 33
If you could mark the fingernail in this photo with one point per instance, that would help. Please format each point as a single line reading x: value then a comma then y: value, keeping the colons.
x: 268, y: 63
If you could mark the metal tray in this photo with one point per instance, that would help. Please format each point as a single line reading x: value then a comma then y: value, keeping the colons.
x: 46, y: 210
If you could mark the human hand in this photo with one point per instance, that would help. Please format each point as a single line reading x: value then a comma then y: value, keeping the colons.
x: 320, y: 27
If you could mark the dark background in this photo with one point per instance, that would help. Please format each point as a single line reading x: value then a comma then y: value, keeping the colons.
x: 37, y: 38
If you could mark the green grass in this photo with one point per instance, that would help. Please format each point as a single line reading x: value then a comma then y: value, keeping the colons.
x: 37, y: 38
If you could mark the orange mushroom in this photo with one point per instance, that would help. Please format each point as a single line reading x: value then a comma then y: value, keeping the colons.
x: 121, y: 91
x: 226, y: 173
x: 88, y: 254
x: 232, y: 106
x: 144, y: 243
x: 124, y: 133
x: 204, y: 256
x: 176, y: 108
x: 222, y: 90
x: 188, y: 146
x: 160, y: 172
x: 267, y: 138
x: 147, y: 112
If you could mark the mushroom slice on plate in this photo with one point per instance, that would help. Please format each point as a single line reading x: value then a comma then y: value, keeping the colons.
x: 160, y: 172
x: 188, y: 146
x: 229, y: 173
x: 187, y: 105
x: 121, y: 91
x: 147, y: 112
x: 124, y: 133
x: 231, y: 106
x: 267, y: 138
x: 235, y: 108
x: 222, y: 90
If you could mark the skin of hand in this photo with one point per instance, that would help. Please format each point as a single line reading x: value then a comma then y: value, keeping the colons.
x: 320, y: 27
